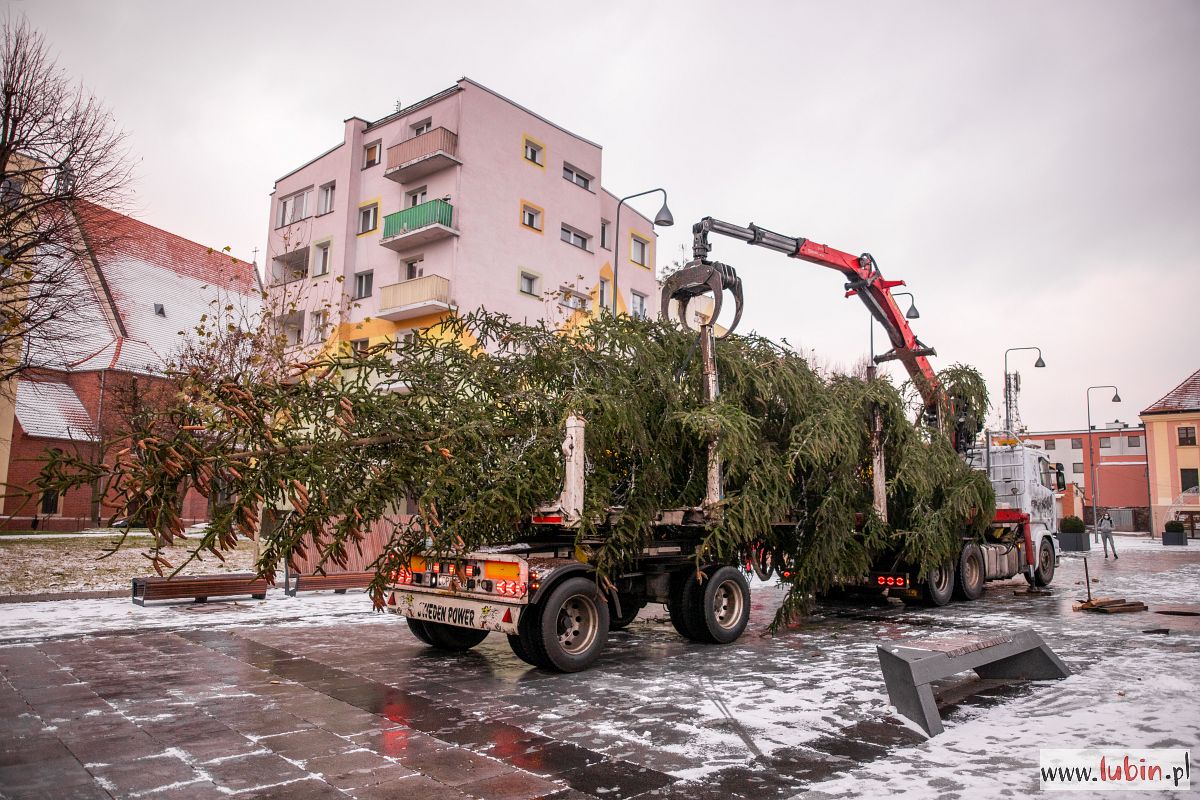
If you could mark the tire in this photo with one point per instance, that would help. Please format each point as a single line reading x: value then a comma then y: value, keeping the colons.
x: 721, y: 607
x: 939, y: 586
x: 630, y: 607
x: 1043, y: 574
x: 418, y: 629
x: 453, y: 638
x: 971, y: 573
x: 572, y: 626
x: 525, y: 644
x: 681, y: 601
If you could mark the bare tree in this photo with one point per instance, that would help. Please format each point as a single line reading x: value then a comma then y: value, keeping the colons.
x: 62, y: 158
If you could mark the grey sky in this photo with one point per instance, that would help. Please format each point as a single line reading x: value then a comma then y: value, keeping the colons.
x: 1030, y: 168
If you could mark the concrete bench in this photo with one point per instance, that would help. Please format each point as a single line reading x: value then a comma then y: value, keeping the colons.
x: 339, y: 582
x: 199, y: 587
x: 910, y: 668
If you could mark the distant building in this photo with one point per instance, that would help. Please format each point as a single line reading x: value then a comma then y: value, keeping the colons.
x: 1172, y: 426
x: 135, y: 297
x: 1119, y: 450
x: 464, y: 199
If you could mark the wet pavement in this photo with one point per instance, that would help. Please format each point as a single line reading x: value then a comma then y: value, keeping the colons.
x: 316, y: 697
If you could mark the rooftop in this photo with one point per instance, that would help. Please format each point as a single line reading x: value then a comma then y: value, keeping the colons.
x: 1184, y: 397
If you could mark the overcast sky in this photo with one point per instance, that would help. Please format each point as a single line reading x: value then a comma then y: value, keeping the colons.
x: 1031, y: 169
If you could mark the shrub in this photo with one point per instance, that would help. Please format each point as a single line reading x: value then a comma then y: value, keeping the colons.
x: 1071, y: 525
x: 1173, y: 526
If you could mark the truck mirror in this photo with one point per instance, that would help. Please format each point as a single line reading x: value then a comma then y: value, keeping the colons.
x: 1059, y: 478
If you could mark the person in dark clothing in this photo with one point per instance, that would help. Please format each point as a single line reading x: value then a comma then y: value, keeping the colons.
x: 1106, y: 529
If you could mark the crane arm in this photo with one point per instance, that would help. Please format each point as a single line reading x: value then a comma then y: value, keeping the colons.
x: 862, y: 279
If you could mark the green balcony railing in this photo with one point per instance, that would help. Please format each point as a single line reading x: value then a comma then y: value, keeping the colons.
x: 433, y: 212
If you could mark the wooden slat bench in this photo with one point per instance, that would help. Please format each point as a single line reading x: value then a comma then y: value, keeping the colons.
x: 339, y: 582
x: 909, y: 667
x: 199, y: 587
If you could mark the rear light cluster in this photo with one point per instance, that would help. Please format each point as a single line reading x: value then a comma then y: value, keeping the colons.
x: 471, y: 576
x: 403, y: 576
x: 891, y: 580
x: 509, y: 588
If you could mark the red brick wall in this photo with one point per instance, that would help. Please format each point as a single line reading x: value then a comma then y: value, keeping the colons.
x: 100, y: 393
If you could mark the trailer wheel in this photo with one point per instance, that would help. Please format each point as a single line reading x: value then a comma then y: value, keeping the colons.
x: 939, y: 585
x: 630, y: 607
x: 681, y: 602
x: 418, y: 629
x: 722, y: 606
x: 452, y: 637
x: 573, y: 625
x: 969, y: 579
x: 1044, y: 572
x: 523, y: 643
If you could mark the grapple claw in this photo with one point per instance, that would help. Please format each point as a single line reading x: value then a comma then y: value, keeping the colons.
x: 702, y: 277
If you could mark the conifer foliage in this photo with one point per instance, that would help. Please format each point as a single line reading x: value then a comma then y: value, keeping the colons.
x: 463, y: 423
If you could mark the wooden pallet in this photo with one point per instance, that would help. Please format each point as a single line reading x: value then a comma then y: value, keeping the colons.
x: 1109, y: 605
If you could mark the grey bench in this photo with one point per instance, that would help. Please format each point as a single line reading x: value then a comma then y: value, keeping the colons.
x: 910, y: 668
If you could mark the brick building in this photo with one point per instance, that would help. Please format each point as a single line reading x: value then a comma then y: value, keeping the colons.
x: 134, y: 299
x: 1172, y: 425
x: 1119, y: 452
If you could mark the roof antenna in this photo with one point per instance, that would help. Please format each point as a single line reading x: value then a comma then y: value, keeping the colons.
x: 399, y: 105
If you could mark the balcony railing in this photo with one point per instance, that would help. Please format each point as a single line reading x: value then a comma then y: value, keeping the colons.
x: 418, y: 225
x: 414, y: 298
x: 422, y: 155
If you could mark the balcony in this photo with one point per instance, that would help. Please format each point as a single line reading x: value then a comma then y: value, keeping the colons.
x: 422, y: 155
x: 415, y: 298
x: 418, y: 226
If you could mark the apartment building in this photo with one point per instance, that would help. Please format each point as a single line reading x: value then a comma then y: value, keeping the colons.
x: 1172, y: 423
x: 462, y: 200
x: 1119, y: 452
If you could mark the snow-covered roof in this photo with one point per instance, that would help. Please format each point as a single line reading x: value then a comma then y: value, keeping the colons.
x: 144, y: 287
x: 1184, y: 397
x: 52, y: 410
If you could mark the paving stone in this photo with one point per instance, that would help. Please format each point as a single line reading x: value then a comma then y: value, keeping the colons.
x: 249, y: 772
x: 308, y: 789
x: 554, y: 758
x: 305, y: 744
x: 415, y: 786
x: 142, y: 775
x: 512, y: 786
x: 454, y: 766
x: 355, y: 769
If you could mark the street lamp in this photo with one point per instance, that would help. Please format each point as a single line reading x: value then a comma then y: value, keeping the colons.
x: 912, y: 312
x: 1007, y: 402
x: 663, y: 218
x: 1116, y: 398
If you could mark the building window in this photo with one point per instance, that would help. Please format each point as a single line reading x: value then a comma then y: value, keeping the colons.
x: 576, y: 177
x: 1189, y: 479
x: 604, y: 241
x: 1135, y: 441
x: 531, y: 217
x: 1077, y: 467
x: 602, y: 293
x: 359, y: 347
x: 1187, y: 435
x: 639, y: 250
x: 414, y: 269
x: 368, y: 218
x: 1048, y: 444
x: 529, y: 283
x: 321, y: 267
x: 372, y: 154
x: 1077, y: 444
x: 534, y: 152
x: 49, y: 503
x: 1105, y: 441
x: 424, y: 126
x: 576, y: 238
x: 320, y: 321
x: 417, y: 196
x: 638, y: 304
x: 293, y: 208
x: 363, y: 284
x: 325, y: 198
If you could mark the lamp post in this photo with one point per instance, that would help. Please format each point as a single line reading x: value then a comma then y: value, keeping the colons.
x: 663, y: 218
x: 912, y: 313
x: 1116, y: 398
x: 1007, y: 403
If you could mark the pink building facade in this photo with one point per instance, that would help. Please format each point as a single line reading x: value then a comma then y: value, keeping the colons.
x: 460, y: 201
